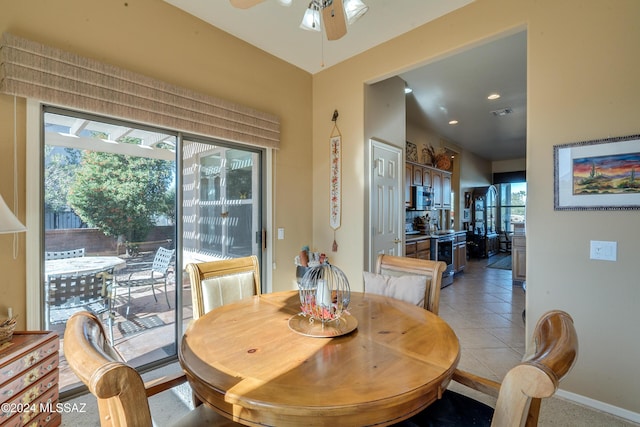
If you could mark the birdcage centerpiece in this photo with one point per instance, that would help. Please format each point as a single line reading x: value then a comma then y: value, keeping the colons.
x: 324, y: 300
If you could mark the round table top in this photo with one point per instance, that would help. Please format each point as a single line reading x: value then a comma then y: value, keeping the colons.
x: 85, y: 264
x: 245, y: 361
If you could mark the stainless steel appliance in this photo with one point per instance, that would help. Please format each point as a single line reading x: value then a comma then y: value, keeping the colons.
x: 442, y: 250
x: 420, y: 198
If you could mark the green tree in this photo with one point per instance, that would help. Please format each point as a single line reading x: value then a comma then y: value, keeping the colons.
x: 59, y: 172
x: 120, y: 194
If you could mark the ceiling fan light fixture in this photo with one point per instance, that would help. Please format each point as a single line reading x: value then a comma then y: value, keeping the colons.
x: 311, y: 19
x: 354, y: 9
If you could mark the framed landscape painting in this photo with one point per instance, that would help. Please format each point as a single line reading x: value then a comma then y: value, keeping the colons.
x: 598, y: 175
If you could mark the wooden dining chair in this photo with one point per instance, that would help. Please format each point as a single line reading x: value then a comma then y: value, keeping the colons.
x: 216, y: 283
x: 519, y: 396
x: 389, y: 265
x: 122, y: 395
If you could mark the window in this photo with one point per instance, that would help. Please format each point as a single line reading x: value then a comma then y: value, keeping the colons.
x: 513, y: 199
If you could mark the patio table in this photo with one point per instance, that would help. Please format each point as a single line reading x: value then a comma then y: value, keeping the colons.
x: 80, y: 265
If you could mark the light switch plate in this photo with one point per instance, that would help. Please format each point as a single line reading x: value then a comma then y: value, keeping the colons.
x: 280, y: 233
x: 602, y: 250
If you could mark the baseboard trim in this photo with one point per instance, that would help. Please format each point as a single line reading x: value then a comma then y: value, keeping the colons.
x: 600, y: 406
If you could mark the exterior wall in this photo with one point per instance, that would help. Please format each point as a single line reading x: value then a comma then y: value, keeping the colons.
x: 582, y: 85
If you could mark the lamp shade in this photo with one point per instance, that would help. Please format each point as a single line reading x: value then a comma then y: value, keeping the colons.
x: 311, y: 19
x: 8, y: 221
x: 354, y: 9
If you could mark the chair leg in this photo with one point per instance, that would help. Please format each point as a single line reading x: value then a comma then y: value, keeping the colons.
x: 126, y: 316
x: 166, y: 296
x: 153, y: 289
x: 110, y: 314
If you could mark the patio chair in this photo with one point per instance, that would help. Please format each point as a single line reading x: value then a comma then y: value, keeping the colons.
x: 122, y: 395
x: 69, y: 294
x: 72, y: 253
x: 427, y: 290
x: 216, y: 283
x: 519, y: 396
x: 148, y: 274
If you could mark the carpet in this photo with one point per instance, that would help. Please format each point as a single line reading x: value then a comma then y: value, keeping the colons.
x: 140, y: 324
x: 503, y: 263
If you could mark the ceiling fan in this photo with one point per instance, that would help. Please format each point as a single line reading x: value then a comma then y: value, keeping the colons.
x: 335, y: 14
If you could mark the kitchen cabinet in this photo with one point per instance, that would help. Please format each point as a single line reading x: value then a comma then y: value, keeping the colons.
x: 408, y: 182
x: 437, y: 180
x: 460, y: 252
x: 446, y: 190
x: 484, y: 211
x: 426, y: 177
x: 518, y: 253
x: 418, y: 247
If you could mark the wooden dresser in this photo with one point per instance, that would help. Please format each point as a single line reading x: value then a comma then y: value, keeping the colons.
x: 29, y: 380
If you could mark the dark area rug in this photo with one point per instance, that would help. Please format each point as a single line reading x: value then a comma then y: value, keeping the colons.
x: 504, y: 263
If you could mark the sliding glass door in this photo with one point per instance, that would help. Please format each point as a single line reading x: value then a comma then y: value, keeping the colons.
x: 111, y: 192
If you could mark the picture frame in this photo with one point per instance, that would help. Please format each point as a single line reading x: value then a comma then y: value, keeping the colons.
x: 600, y: 174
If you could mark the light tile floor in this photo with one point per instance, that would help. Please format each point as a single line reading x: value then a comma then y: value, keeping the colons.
x: 485, y: 311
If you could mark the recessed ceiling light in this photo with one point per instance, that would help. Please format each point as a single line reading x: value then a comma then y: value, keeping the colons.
x: 493, y: 96
x: 453, y: 122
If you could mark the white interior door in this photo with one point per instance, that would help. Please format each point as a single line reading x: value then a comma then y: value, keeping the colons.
x: 385, y: 200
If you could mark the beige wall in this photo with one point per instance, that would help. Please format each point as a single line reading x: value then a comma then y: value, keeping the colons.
x: 582, y: 84
x: 153, y: 38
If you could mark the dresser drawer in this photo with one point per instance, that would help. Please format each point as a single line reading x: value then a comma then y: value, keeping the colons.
x: 41, y: 412
x: 29, y: 395
x: 26, y: 361
x: 27, y: 378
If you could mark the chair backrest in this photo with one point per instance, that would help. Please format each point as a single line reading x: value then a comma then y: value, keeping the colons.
x: 432, y: 270
x: 76, y: 290
x: 216, y: 283
x: 556, y: 343
x: 162, y: 260
x: 121, y: 394
x: 72, y: 253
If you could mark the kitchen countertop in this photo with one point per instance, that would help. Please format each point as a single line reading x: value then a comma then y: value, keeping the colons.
x: 413, y: 237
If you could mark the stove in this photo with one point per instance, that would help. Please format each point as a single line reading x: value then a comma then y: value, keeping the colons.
x: 442, y: 250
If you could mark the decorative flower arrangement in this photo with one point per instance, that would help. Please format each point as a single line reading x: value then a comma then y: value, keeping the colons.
x: 306, y: 258
x: 324, y: 293
x: 437, y: 157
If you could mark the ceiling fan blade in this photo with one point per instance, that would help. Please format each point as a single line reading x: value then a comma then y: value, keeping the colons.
x: 244, y: 4
x: 335, y: 24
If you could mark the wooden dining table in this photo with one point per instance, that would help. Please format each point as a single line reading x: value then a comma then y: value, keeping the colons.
x: 247, y: 362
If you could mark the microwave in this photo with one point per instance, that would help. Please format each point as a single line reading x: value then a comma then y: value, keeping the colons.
x: 420, y: 198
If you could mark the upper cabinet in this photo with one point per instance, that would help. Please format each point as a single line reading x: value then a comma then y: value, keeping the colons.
x: 438, y: 180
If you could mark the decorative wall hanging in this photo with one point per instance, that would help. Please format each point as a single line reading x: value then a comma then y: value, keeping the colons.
x: 335, y: 201
x: 597, y: 175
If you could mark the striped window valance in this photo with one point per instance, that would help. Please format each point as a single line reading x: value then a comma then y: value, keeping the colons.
x: 31, y: 70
